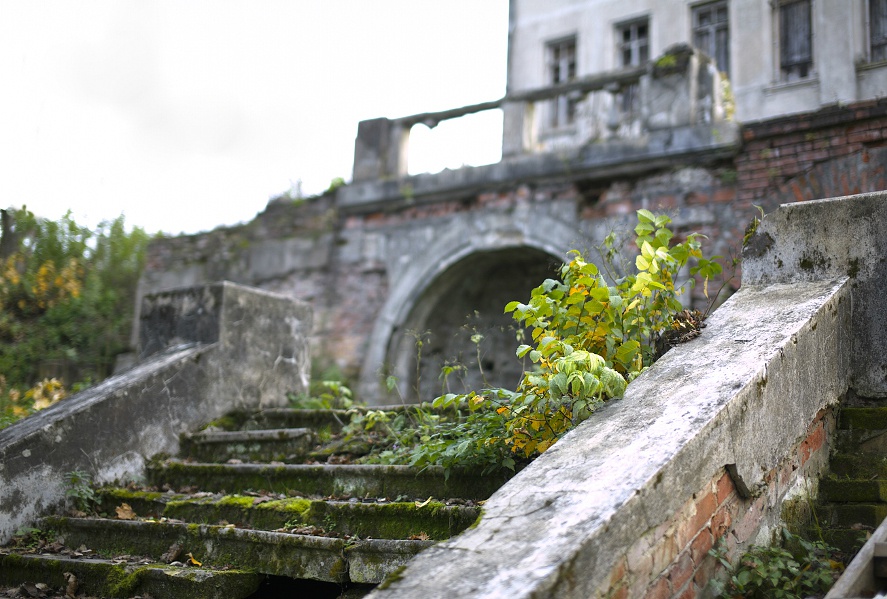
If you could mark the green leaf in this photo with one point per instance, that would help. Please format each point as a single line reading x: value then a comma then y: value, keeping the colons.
x: 645, y: 216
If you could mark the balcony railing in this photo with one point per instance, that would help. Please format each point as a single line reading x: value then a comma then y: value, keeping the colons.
x: 682, y: 88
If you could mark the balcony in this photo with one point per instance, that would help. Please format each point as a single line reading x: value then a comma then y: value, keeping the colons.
x: 626, y: 122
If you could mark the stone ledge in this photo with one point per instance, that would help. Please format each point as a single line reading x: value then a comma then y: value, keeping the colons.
x: 602, y: 160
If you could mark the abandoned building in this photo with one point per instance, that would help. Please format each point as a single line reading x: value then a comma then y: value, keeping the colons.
x: 609, y: 108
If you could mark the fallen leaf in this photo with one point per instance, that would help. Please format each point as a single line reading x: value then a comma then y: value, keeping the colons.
x: 423, y: 503
x: 124, y: 512
x: 420, y: 537
x: 71, y: 584
x: 192, y: 560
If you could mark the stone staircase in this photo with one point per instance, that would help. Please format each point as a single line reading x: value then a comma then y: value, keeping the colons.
x: 853, y: 498
x: 258, y: 505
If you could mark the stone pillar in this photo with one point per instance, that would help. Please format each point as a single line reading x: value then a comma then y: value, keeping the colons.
x: 380, y: 150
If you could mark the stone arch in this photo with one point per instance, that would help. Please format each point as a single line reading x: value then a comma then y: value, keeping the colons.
x: 416, y: 290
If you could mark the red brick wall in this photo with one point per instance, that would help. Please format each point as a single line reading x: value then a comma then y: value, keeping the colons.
x: 672, y: 560
x: 833, y: 152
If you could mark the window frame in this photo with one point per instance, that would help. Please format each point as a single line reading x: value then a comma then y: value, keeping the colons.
x: 791, y: 69
x: 634, y: 43
x: 874, y: 41
x: 562, y: 109
x: 712, y: 29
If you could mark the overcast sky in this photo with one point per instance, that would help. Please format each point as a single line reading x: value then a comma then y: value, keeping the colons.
x: 189, y: 114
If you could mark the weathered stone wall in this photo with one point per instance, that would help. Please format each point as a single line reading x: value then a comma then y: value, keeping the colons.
x: 371, y: 267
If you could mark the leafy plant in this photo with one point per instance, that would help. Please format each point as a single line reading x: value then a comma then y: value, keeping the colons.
x: 328, y: 395
x: 80, y: 490
x: 794, y: 568
x: 590, y: 338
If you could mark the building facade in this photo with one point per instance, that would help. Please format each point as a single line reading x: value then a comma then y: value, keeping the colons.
x: 780, y: 56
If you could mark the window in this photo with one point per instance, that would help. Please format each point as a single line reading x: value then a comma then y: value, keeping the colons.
x: 711, y: 32
x: 633, y: 49
x: 562, y: 68
x: 634, y: 43
x: 878, y: 30
x: 795, y: 40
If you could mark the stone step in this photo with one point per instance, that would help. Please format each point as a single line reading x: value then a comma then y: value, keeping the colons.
x: 847, y: 540
x: 267, y: 445
x: 282, y: 554
x: 862, y: 418
x: 860, y: 466
x: 118, y: 578
x: 861, y: 441
x: 834, y: 490
x: 324, y: 480
x: 319, y: 420
x: 386, y: 520
x: 839, y: 515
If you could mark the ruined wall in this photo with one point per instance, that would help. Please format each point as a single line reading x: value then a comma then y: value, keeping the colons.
x: 366, y: 266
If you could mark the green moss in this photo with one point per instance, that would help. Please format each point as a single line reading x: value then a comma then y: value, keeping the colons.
x: 121, y: 584
x: 297, y: 505
x: 393, y: 577
x: 476, y: 523
x: 863, y: 418
x: 236, y: 501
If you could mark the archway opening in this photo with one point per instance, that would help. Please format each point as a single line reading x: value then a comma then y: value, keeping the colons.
x: 460, y: 321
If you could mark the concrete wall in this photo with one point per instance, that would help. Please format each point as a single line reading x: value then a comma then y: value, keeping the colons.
x: 232, y: 347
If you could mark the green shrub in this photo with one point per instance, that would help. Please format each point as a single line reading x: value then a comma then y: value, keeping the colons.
x: 789, y: 570
x: 66, y: 297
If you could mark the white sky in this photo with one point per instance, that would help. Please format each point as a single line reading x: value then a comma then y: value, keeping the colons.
x: 188, y: 114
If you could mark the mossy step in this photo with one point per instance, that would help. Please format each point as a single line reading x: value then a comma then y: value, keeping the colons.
x: 106, y: 578
x: 331, y: 420
x: 324, y: 480
x: 281, y: 554
x: 318, y: 420
x: 862, y: 418
x: 845, y: 490
x: 847, y: 540
x: 849, y: 514
x: 268, y: 445
x: 862, y: 441
x: 389, y: 520
x: 861, y: 466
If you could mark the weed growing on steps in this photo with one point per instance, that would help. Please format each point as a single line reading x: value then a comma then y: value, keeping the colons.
x: 591, y: 334
x: 793, y: 568
x: 79, y: 490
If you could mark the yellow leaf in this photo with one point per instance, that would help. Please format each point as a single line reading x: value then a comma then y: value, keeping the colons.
x: 192, y: 560
x: 125, y: 512
x: 422, y: 503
